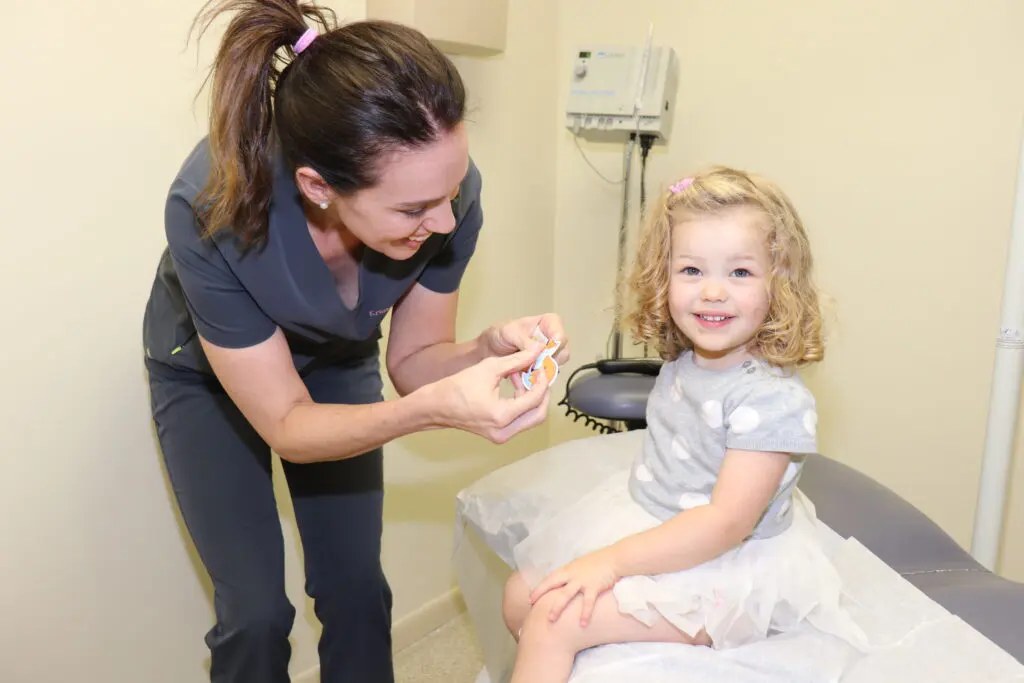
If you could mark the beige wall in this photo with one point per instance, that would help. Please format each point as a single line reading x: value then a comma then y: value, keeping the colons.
x: 895, y: 127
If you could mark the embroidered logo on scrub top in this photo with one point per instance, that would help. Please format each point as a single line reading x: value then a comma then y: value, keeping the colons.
x: 379, y: 313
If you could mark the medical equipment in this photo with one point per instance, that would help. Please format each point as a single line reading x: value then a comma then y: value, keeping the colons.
x: 626, y: 89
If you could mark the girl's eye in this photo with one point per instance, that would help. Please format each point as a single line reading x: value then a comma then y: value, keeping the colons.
x: 691, y: 271
x: 742, y: 272
x: 414, y: 213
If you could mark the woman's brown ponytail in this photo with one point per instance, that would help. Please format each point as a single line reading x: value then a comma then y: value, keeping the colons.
x: 245, y: 74
x: 354, y: 94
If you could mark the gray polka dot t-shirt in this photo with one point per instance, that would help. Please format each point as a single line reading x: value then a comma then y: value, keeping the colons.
x: 695, y: 414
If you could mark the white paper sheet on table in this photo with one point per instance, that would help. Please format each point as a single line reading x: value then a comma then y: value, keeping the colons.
x: 924, y: 643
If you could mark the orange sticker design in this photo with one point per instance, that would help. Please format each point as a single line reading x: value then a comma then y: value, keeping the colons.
x: 545, y: 363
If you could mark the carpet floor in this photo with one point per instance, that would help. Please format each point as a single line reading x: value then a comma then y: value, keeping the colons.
x: 448, y: 655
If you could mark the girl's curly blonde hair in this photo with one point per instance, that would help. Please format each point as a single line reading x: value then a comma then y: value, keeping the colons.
x: 791, y: 334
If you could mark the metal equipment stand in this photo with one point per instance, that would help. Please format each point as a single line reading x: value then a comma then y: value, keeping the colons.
x: 611, y: 394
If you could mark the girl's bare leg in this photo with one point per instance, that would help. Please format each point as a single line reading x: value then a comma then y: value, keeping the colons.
x: 516, y: 604
x: 548, y: 649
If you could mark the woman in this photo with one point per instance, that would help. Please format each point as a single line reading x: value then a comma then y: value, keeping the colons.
x: 328, y: 193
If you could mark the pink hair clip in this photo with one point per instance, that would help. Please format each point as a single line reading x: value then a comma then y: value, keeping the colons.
x: 681, y: 185
x: 303, y: 42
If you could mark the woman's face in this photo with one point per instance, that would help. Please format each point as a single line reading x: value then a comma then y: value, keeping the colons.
x: 411, y: 201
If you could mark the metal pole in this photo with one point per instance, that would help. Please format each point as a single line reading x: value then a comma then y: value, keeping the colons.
x: 621, y: 261
x: 1004, y: 401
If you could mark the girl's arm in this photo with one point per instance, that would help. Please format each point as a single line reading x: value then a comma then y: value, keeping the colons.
x: 746, y: 484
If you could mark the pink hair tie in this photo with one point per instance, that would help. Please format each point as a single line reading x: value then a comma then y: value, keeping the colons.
x: 303, y: 42
x: 681, y: 185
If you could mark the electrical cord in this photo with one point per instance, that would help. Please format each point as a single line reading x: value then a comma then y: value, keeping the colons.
x: 646, y: 142
x: 576, y: 415
x: 576, y: 139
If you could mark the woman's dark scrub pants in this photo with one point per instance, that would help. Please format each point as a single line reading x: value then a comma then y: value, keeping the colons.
x: 220, y: 470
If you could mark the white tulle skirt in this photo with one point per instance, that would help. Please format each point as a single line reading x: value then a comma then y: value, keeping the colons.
x: 749, y: 593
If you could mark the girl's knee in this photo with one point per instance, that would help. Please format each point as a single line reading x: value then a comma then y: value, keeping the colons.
x: 564, y: 634
x: 515, y: 604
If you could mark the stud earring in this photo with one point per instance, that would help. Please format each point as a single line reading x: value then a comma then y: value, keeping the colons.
x: 324, y: 205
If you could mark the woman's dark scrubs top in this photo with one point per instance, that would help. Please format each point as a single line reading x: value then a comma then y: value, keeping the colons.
x: 236, y: 299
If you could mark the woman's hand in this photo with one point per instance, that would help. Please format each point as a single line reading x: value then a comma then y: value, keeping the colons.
x: 470, y: 400
x: 590, y: 575
x: 516, y: 335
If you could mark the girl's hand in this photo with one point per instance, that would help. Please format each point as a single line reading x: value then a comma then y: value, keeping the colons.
x: 516, y: 335
x: 590, y: 575
x: 470, y: 400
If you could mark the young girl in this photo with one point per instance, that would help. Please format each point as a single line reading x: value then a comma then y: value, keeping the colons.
x: 706, y: 540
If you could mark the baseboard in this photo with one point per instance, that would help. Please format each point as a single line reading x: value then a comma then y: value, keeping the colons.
x: 428, y: 618
x: 413, y: 626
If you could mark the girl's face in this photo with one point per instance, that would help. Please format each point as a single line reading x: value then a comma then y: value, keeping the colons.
x: 410, y: 202
x: 718, y: 287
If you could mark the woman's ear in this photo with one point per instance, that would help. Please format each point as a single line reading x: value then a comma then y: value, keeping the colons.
x: 312, y: 186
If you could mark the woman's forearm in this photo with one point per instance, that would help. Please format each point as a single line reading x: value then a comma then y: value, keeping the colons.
x: 315, y: 432
x: 687, y: 540
x: 429, y: 364
x: 264, y: 384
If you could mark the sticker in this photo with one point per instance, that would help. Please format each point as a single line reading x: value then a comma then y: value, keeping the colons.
x: 545, y: 361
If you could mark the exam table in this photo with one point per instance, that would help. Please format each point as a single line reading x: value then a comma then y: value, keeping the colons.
x: 849, y: 502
